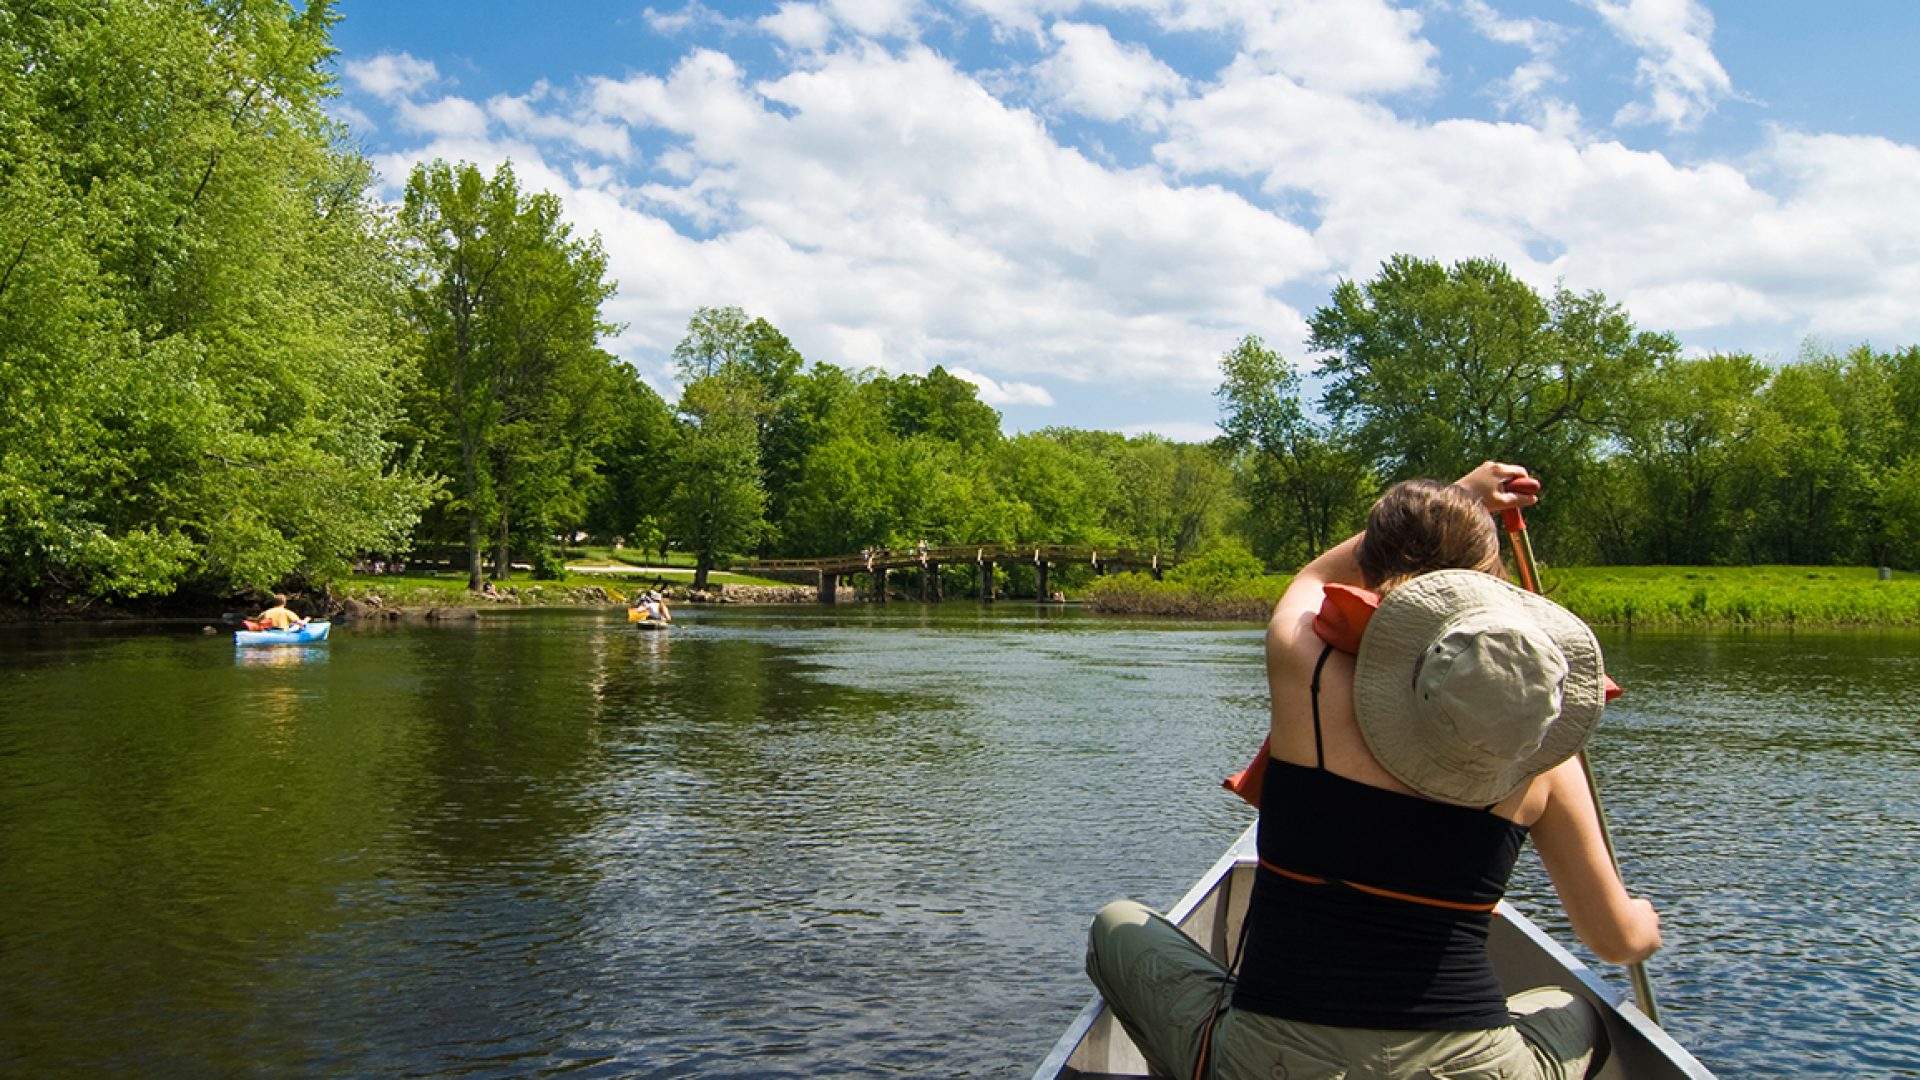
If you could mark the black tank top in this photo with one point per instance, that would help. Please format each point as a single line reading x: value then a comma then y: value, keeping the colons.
x: 1371, y: 908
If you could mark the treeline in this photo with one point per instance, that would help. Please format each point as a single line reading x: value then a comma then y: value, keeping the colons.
x: 225, y: 365
x: 1649, y: 456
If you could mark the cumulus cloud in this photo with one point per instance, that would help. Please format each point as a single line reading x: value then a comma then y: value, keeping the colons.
x: 523, y: 116
x: 1007, y: 393
x: 877, y: 18
x: 800, y: 26
x: 689, y: 18
x: 891, y: 191
x: 1525, y: 87
x: 1683, y: 79
x: 391, y: 76
x: 1092, y: 74
x: 451, y: 117
x: 886, y: 206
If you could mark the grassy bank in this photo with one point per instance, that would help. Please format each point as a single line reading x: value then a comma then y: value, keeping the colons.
x: 1772, y: 596
x: 1629, y: 596
x: 1250, y: 599
x: 582, y: 583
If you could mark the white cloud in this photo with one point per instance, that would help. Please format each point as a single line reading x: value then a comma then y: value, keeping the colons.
x: 890, y: 191
x: 885, y: 207
x: 877, y: 18
x: 691, y: 17
x: 449, y: 117
x: 1683, y: 78
x: 800, y: 26
x: 1525, y: 87
x: 1353, y: 47
x: 1094, y: 75
x: 1007, y: 393
x: 520, y: 116
x: 390, y: 76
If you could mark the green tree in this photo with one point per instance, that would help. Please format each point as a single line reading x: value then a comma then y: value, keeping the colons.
x: 1305, y: 487
x: 1700, y: 425
x: 718, y: 501
x: 941, y: 406
x: 196, y: 347
x: 1805, y: 466
x: 513, y: 388
x: 635, y: 476
x: 1438, y: 368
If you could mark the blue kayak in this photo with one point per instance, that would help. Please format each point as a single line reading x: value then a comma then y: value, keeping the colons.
x: 313, y: 631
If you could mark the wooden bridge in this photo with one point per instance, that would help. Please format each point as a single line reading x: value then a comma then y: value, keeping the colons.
x: 878, y: 561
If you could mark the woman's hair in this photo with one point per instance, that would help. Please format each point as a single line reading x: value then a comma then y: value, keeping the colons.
x: 1420, y: 526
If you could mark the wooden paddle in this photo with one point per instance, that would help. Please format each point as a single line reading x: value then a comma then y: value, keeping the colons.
x: 1516, y: 527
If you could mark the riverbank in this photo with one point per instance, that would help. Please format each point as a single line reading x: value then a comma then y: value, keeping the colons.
x: 1681, y: 597
x: 425, y: 596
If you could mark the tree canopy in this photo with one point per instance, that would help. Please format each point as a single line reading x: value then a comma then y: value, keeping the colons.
x: 196, y: 343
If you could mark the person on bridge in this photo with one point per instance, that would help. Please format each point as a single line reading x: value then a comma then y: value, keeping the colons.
x: 1401, y: 785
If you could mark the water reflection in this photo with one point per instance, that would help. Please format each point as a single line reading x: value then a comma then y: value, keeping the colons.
x: 281, y: 655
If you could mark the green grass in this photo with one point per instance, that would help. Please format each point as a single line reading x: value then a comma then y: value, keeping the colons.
x: 1138, y: 594
x: 1630, y: 596
x: 1707, y: 596
x: 449, y: 588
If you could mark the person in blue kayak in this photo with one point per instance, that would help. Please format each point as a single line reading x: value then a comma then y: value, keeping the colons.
x: 1401, y: 785
x: 279, y: 616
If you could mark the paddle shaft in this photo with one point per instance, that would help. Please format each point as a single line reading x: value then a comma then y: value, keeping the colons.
x: 1516, y: 527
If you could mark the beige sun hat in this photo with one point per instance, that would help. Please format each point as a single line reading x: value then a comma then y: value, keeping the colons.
x: 1466, y: 686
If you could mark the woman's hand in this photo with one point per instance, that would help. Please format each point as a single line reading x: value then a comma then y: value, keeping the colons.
x: 1489, y: 483
x: 1647, y: 931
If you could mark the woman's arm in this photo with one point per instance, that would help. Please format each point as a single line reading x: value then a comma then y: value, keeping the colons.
x: 1619, y: 928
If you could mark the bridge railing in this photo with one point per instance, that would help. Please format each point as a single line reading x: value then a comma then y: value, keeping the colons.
x: 949, y: 554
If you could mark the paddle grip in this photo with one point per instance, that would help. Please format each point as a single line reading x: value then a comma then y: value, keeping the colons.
x: 1511, y: 517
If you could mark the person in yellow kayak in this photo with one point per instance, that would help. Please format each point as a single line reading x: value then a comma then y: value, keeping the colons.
x: 653, y: 606
x: 279, y: 616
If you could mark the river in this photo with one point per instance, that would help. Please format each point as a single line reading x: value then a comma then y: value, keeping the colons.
x: 808, y: 841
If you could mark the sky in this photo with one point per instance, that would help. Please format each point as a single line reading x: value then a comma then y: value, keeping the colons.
x: 1080, y: 206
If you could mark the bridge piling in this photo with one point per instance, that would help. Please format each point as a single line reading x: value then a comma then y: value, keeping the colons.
x: 986, y: 581
x: 879, y: 584
x: 829, y: 587
x: 1040, y: 576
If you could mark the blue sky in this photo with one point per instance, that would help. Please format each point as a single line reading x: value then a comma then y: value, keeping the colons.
x: 1081, y: 206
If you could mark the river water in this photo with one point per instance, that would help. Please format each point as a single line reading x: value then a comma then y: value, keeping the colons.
x: 805, y: 841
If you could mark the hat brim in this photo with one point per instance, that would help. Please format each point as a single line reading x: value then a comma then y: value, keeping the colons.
x: 1408, y: 621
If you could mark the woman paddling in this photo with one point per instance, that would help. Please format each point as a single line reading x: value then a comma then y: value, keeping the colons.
x: 1402, y: 784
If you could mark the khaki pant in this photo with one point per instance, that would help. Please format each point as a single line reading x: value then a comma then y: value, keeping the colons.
x: 1162, y: 986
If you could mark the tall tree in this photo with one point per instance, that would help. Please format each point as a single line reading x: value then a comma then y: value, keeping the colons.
x: 1305, y: 487
x: 513, y: 383
x: 1438, y: 368
x: 1701, y: 420
x: 195, y: 346
x: 719, y: 500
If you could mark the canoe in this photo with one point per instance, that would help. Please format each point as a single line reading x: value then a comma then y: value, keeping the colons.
x: 313, y: 631
x: 1095, y: 1046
